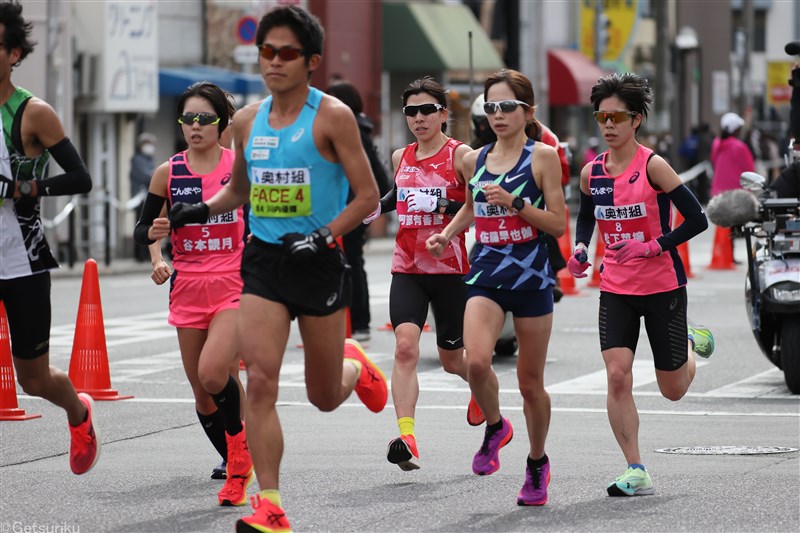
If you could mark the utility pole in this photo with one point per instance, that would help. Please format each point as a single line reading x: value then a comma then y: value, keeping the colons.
x: 663, y: 94
x: 744, y: 73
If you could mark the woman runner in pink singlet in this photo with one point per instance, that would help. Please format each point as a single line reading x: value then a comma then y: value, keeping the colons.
x: 628, y: 191
x: 206, y: 285
x: 428, y: 190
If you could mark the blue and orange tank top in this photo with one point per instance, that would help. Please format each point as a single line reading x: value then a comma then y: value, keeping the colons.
x: 628, y: 207
x: 435, y: 176
x: 215, y: 246
x: 293, y: 189
x: 509, y: 253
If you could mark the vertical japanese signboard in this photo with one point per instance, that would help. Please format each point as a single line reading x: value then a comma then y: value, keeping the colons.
x: 130, y: 56
x: 622, y: 17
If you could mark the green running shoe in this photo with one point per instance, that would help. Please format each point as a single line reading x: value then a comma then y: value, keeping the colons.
x: 702, y: 339
x: 634, y: 482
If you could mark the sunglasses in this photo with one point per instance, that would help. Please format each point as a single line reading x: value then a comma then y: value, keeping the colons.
x: 425, y: 109
x: 204, y: 119
x: 506, y: 106
x: 617, y: 116
x: 285, y: 53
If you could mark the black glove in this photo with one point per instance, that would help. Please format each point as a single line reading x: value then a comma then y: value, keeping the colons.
x: 7, y: 187
x: 182, y: 214
x: 304, y: 246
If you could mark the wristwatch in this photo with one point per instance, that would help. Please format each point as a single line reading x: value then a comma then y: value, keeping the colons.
x: 325, y: 233
x: 442, y: 204
x: 25, y: 188
x: 518, y: 203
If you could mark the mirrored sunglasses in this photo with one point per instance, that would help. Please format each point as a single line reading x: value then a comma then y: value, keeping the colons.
x: 506, y: 106
x: 617, y: 116
x: 285, y: 53
x: 425, y: 109
x: 204, y: 119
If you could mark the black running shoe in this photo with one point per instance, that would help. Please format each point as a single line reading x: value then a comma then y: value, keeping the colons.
x: 221, y: 471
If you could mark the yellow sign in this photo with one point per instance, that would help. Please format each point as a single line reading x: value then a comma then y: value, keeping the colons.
x: 779, y: 92
x: 622, y: 16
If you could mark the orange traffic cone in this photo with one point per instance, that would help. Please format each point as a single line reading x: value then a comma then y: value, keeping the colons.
x: 683, y: 249
x: 9, y: 408
x: 88, y: 366
x: 599, y: 252
x: 566, y: 280
x: 722, y: 255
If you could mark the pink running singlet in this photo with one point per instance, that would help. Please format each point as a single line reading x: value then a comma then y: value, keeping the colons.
x: 215, y: 246
x: 627, y: 207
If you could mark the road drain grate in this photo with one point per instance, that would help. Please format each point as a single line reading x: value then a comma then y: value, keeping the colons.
x: 726, y: 450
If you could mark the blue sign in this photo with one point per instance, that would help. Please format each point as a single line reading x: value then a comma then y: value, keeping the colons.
x: 246, y: 30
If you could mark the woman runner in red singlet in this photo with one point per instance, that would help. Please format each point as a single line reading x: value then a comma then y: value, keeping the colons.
x: 629, y: 191
x: 206, y: 285
x: 428, y: 190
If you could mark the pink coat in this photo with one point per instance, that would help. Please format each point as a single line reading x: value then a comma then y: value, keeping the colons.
x: 730, y: 157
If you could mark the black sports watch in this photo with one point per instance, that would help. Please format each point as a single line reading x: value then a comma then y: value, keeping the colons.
x: 442, y: 204
x: 25, y: 188
x: 518, y: 203
x: 325, y: 233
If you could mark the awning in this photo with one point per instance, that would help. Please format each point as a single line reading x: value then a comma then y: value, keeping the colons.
x: 173, y: 81
x: 434, y: 37
x: 572, y: 76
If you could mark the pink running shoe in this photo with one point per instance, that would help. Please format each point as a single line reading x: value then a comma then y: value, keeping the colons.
x: 534, y: 491
x: 84, y: 450
x: 487, y: 460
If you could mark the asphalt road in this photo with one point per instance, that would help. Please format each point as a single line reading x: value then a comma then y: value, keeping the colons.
x: 154, y: 471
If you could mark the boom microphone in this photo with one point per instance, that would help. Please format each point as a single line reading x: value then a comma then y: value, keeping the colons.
x: 793, y: 48
x: 736, y: 207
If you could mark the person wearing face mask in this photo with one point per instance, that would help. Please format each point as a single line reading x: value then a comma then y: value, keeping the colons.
x: 143, y: 164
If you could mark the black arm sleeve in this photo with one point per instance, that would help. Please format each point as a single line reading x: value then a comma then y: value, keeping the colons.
x: 150, y: 210
x: 584, y: 225
x: 453, y: 207
x: 695, y: 220
x: 389, y: 201
x: 74, y: 180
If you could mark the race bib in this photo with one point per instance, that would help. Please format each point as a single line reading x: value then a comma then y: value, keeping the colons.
x: 494, y: 224
x: 622, y: 222
x: 282, y: 192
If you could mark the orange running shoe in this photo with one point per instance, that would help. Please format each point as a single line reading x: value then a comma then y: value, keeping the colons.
x: 239, y: 471
x: 84, y: 449
x: 402, y: 452
x: 371, y: 387
x: 474, y: 414
x: 267, y: 518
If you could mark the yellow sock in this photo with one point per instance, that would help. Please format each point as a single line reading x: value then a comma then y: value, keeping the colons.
x: 356, y: 363
x: 273, y: 496
x: 406, y: 425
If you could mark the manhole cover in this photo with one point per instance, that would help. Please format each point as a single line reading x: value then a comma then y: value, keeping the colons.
x: 727, y: 450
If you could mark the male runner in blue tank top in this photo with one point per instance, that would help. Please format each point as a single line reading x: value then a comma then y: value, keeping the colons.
x: 296, y: 151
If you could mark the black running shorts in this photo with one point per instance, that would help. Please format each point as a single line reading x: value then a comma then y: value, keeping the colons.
x: 314, y: 286
x: 664, y: 320
x: 27, y: 302
x: 410, y: 295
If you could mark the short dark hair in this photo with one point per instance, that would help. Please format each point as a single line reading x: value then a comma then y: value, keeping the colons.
x: 221, y: 101
x: 427, y: 85
x: 347, y: 93
x: 17, y: 30
x: 305, y: 26
x: 522, y: 88
x: 633, y: 89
